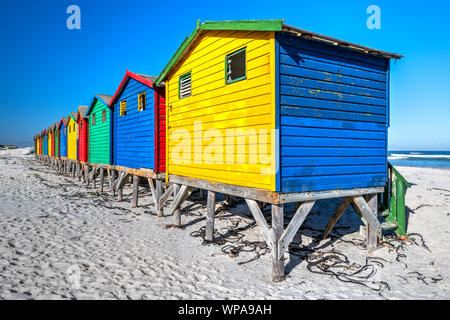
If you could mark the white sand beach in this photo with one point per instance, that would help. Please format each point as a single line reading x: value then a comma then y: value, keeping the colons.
x: 62, y: 240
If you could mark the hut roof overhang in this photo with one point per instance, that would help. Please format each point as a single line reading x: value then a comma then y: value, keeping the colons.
x: 142, y: 78
x: 73, y: 115
x: 82, y: 111
x: 262, y: 25
x: 104, y: 98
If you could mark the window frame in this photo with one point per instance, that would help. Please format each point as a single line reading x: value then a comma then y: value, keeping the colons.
x: 179, y: 84
x: 93, y: 119
x: 103, y: 116
x: 139, y: 101
x: 226, y: 66
x: 120, y: 108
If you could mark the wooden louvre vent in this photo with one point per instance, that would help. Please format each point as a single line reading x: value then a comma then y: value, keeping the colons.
x: 185, y: 85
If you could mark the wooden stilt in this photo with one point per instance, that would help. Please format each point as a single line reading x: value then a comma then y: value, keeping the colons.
x: 210, y: 212
x: 134, y: 202
x: 152, y: 190
x: 112, y: 182
x: 94, y: 177
x: 373, y: 225
x: 86, y: 174
x: 119, y: 186
x: 176, y: 212
x: 278, y: 270
x: 162, y: 200
x: 102, y: 173
x: 337, y: 215
x: 77, y: 171
x: 159, y: 194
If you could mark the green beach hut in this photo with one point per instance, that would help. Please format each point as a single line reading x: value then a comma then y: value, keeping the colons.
x: 99, y: 117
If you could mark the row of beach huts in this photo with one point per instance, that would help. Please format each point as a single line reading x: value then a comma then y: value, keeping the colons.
x: 255, y: 109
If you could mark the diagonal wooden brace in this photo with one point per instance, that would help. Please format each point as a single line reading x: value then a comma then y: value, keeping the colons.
x: 182, y: 194
x: 266, y: 232
x: 295, y: 224
x: 166, y: 195
x: 337, y: 215
x: 374, y: 226
x: 152, y: 189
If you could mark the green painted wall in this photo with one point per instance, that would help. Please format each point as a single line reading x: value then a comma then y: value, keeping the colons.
x: 56, y: 143
x: 99, y: 135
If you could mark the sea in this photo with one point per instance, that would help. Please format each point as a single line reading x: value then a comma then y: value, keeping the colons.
x: 431, y: 159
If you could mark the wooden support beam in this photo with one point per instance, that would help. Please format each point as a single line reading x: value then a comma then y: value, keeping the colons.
x: 336, y: 216
x: 261, y: 221
x: 162, y: 200
x: 174, y: 208
x: 278, y: 270
x: 158, y: 195
x: 294, y: 225
x: 134, y: 201
x: 94, y: 176
x: 372, y: 201
x: 374, y: 227
x: 210, y: 212
x: 119, y: 185
x: 73, y: 169
x: 152, y: 189
x: 77, y: 171
x: 86, y: 174
x: 121, y: 180
x: 112, y: 182
x: 102, y: 173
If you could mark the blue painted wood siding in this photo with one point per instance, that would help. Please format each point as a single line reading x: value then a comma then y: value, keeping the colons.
x: 332, y: 116
x: 63, y: 141
x: 133, y: 134
x: 45, y: 145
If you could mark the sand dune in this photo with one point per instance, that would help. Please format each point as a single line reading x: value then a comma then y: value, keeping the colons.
x: 62, y: 240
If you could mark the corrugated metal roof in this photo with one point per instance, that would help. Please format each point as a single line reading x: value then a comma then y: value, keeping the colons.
x: 262, y: 25
x: 334, y: 41
x: 83, y: 110
x: 74, y: 116
x: 106, y: 98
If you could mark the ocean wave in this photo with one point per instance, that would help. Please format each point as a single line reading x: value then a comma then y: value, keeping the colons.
x: 396, y: 156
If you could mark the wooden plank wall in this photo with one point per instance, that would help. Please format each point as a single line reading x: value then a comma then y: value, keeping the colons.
x: 161, y: 127
x: 56, y: 143
x: 333, y: 111
x: 133, y: 134
x: 83, y: 143
x: 63, y: 141
x: 49, y: 144
x: 72, y: 135
x: 246, y: 104
x: 45, y: 145
x: 99, y: 134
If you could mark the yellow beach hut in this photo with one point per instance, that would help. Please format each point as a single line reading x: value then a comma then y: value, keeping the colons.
x: 72, y: 137
x: 274, y: 113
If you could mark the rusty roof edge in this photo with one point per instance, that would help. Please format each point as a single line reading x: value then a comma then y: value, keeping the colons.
x: 347, y: 44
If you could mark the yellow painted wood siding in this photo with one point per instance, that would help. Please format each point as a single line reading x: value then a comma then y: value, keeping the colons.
x: 72, y: 139
x: 49, y: 146
x: 246, y: 104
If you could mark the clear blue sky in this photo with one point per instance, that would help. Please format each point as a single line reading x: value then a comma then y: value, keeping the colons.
x: 48, y: 70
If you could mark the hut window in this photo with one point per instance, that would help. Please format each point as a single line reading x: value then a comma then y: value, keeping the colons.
x: 103, y: 115
x: 235, y: 68
x: 185, y: 86
x: 74, y: 127
x: 93, y: 119
x: 123, y: 107
x: 69, y: 129
x: 142, y: 101
x: 81, y: 124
